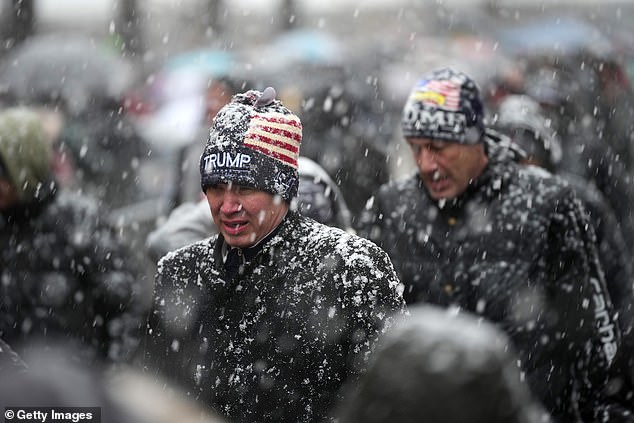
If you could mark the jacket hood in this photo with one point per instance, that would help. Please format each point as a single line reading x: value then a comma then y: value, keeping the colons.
x: 320, y: 198
x: 26, y: 154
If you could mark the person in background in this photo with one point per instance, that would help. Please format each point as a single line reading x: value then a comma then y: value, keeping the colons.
x: 66, y: 276
x: 475, y: 229
x: 522, y: 118
x: 318, y: 197
x: 106, y: 151
x: 347, y: 129
x: 267, y: 319
x: 219, y: 92
x: 594, y: 144
x: 444, y: 367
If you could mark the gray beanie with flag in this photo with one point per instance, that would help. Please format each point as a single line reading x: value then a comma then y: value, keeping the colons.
x: 444, y: 105
x: 254, y: 141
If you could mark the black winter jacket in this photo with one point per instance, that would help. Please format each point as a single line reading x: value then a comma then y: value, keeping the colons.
x: 275, y: 343
x: 615, y: 260
x: 67, y: 277
x: 516, y: 248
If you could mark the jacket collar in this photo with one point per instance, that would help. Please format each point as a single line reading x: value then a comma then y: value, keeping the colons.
x: 263, y: 250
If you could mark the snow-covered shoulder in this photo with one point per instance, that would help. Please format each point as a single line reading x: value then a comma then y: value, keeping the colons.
x: 357, y: 254
x: 187, y: 256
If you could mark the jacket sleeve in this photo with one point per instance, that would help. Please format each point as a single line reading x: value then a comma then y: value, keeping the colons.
x: 616, y: 263
x: 374, y: 302
x: 169, y: 345
x: 188, y: 223
x: 371, y: 220
x: 581, y: 302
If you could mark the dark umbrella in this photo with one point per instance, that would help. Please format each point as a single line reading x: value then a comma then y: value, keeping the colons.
x: 70, y: 69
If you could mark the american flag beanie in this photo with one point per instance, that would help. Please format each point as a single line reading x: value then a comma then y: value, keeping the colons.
x: 444, y: 105
x: 254, y: 141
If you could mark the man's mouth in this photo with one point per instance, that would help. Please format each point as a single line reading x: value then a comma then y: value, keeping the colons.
x: 234, y: 228
x: 438, y: 182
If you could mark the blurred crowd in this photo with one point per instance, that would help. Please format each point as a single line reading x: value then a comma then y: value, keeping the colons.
x: 99, y: 179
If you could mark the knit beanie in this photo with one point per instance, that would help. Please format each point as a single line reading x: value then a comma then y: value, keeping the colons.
x: 25, y: 152
x: 444, y: 105
x: 254, y: 142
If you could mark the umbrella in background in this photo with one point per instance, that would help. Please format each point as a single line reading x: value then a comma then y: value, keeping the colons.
x: 298, y: 47
x: 307, y: 46
x: 211, y: 62
x: 554, y: 35
x: 70, y: 69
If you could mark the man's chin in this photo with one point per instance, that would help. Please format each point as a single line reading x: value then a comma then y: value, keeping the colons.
x: 239, y: 241
x: 439, y: 194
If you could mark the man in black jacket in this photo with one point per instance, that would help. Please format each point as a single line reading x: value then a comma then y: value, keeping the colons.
x: 66, y: 275
x: 523, y: 119
x: 476, y: 230
x: 265, y: 321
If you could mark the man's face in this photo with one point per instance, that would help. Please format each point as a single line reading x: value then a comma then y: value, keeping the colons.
x: 244, y: 215
x: 8, y: 194
x: 447, y: 168
x: 217, y: 96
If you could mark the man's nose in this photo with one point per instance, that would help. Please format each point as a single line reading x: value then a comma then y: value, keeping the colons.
x: 231, y: 202
x: 426, y: 160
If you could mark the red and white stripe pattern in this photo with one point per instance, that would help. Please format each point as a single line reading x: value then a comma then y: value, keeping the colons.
x: 275, y: 134
x: 443, y: 93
